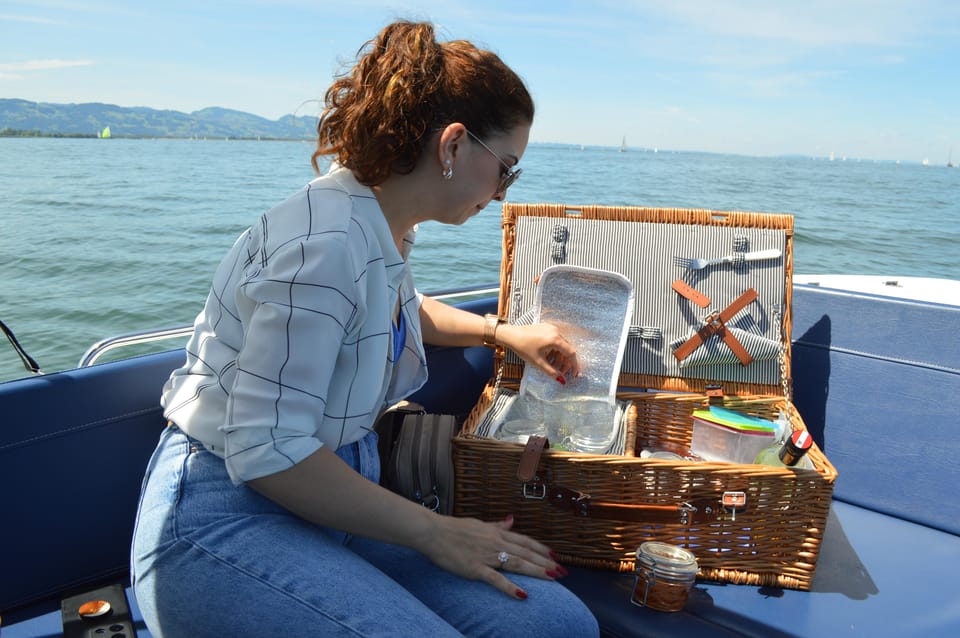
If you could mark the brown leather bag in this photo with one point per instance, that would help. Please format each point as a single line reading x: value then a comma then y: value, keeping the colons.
x: 416, y: 459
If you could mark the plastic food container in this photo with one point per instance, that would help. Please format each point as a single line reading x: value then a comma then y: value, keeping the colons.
x: 724, y: 435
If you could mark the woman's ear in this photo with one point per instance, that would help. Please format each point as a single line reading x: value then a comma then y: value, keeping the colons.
x: 451, y: 137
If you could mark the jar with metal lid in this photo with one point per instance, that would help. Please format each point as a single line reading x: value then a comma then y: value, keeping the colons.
x: 664, y: 576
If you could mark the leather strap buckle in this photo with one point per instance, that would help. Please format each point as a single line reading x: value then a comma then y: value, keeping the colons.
x: 716, y: 324
x: 535, y: 490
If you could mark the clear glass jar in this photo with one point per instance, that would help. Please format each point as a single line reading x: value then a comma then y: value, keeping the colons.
x: 664, y: 576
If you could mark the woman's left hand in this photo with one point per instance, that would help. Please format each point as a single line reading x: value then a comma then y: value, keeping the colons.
x: 541, y: 345
x: 489, y: 552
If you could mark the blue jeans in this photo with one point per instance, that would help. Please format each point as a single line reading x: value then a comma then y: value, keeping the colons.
x: 212, y: 559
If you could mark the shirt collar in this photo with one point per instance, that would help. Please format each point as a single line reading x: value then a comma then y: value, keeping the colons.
x: 368, y: 208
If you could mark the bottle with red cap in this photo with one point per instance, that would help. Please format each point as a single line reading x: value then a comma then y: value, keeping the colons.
x: 793, y: 452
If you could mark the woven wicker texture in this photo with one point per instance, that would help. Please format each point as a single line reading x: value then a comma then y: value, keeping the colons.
x: 773, y: 540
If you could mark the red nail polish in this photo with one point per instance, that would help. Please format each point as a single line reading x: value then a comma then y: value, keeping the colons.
x: 554, y: 556
x: 562, y: 570
x: 522, y: 595
x: 552, y: 574
x: 561, y: 380
x: 508, y: 519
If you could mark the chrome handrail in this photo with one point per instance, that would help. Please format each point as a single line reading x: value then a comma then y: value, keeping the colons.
x: 452, y: 294
x: 104, y: 346
x: 100, y: 348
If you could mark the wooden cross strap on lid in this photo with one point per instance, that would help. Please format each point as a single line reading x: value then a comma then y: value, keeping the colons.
x: 715, y: 323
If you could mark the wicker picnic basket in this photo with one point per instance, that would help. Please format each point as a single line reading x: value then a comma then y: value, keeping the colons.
x: 745, y: 523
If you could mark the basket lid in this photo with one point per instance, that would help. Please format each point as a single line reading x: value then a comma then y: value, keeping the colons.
x: 724, y: 324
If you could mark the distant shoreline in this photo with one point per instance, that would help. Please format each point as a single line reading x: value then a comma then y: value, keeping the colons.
x: 10, y: 132
x: 23, y: 118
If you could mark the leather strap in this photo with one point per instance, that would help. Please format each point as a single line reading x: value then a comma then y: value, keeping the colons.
x: 530, y: 458
x: 735, y: 346
x: 701, y: 510
x: 716, y: 325
x: 738, y: 304
x: 689, y: 292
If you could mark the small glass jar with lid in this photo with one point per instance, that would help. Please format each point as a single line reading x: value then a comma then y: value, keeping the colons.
x: 664, y: 576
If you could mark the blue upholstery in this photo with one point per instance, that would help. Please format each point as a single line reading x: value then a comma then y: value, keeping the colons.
x: 457, y: 375
x: 75, y: 444
x: 885, y: 413
x: 887, y: 566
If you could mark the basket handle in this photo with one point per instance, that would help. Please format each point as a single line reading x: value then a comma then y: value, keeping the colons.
x: 696, y: 511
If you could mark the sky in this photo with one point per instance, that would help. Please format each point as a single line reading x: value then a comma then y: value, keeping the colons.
x: 866, y: 79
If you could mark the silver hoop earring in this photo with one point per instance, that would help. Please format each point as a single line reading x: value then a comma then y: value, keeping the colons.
x: 448, y: 173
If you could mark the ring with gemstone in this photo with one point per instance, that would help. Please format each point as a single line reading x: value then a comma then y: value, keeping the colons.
x: 503, y: 557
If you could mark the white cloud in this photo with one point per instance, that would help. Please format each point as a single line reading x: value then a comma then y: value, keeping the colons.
x: 32, y: 19
x: 808, y: 23
x: 773, y: 84
x: 43, y: 65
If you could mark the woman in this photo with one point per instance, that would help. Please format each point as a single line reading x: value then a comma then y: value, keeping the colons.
x: 261, y: 513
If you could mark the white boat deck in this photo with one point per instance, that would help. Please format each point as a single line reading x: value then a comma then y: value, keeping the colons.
x: 944, y: 291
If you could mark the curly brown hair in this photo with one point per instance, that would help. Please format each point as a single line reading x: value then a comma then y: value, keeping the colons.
x: 404, y: 85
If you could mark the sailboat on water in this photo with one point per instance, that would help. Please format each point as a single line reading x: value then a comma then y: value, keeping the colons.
x: 105, y: 133
x: 623, y: 144
x: 950, y: 158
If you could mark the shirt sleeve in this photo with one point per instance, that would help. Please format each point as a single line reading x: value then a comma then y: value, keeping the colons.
x: 296, y: 307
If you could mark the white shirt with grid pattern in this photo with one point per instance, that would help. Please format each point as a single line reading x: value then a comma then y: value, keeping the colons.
x: 293, y: 347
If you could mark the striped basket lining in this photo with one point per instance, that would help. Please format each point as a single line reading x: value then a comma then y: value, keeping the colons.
x: 644, y: 251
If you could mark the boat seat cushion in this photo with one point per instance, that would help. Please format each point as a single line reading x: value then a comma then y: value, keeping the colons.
x: 78, y: 460
x: 877, y: 381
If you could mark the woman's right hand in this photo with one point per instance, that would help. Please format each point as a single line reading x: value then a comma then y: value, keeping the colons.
x: 472, y: 548
x: 542, y: 345
x: 464, y: 546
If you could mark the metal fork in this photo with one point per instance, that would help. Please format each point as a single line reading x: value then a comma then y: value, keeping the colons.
x: 697, y: 263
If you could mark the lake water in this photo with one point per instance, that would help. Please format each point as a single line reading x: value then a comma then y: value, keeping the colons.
x: 99, y: 238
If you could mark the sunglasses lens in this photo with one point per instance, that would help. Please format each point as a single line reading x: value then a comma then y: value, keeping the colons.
x: 509, y: 179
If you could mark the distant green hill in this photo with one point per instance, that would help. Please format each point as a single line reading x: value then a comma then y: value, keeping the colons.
x: 21, y: 117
